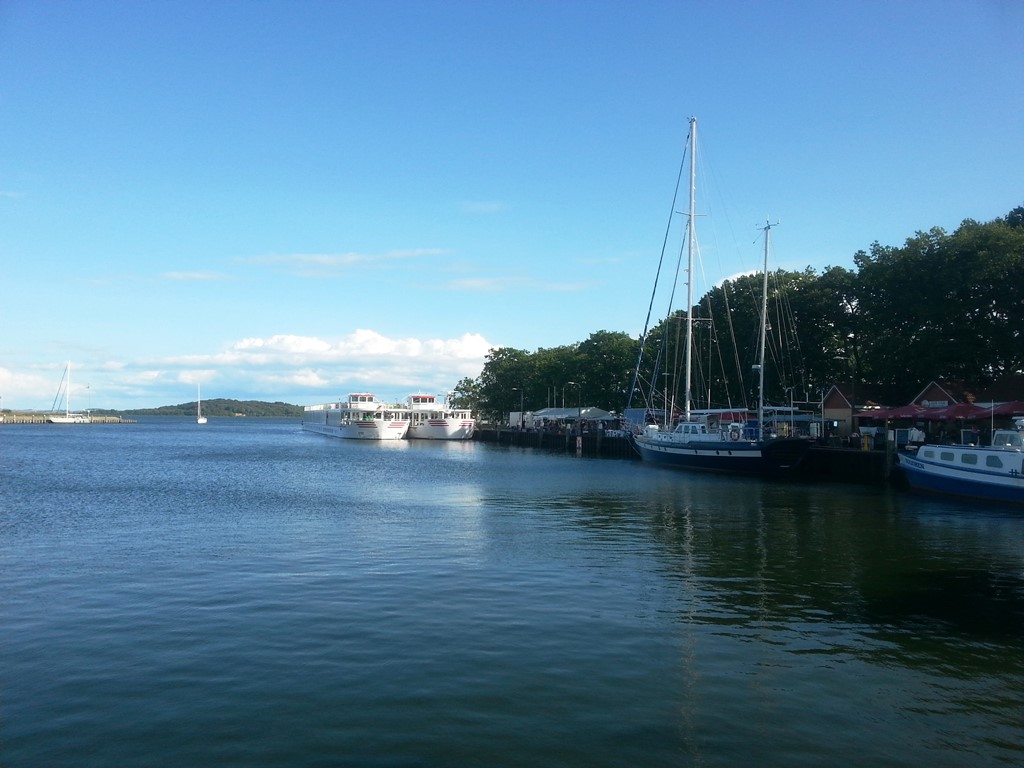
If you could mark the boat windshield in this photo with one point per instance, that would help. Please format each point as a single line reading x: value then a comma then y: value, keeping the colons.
x: 690, y: 428
x: 1004, y: 438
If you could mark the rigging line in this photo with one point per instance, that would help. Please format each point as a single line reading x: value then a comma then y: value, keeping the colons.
x: 736, y: 357
x: 784, y: 343
x: 727, y: 390
x: 732, y: 334
x: 781, y: 349
x: 661, y: 258
x: 59, y: 397
x: 794, y: 346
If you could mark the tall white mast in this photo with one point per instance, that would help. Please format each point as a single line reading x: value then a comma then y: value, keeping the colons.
x: 764, y: 331
x: 689, y: 268
x: 67, y: 398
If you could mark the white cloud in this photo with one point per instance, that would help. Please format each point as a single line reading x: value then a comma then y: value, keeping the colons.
x: 18, y: 386
x: 196, y: 376
x: 306, y: 378
x: 145, y: 377
x: 285, y: 344
x: 502, y: 284
x: 478, y: 207
x: 327, y: 264
x: 194, y: 276
x: 361, y: 344
x: 289, y: 367
x: 601, y: 261
x: 491, y: 284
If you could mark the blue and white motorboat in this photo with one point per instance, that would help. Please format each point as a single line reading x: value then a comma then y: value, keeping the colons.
x: 986, y: 473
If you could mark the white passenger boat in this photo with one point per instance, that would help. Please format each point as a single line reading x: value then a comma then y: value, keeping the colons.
x: 361, y: 417
x: 433, y: 420
x: 986, y: 473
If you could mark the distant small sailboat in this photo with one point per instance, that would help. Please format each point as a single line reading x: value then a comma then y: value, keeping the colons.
x: 200, y: 419
x: 68, y: 417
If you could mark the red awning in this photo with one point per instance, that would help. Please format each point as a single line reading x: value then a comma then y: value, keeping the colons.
x: 901, y: 412
x: 957, y: 411
x: 1012, y: 408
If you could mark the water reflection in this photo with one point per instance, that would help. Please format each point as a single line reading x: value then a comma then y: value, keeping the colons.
x: 864, y: 562
x: 449, y: 604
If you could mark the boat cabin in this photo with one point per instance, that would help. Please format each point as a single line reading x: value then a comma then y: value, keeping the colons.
x: 359, y: 398
x: 1007, y: 438
x: 425, y: 404
x: 691, y: 428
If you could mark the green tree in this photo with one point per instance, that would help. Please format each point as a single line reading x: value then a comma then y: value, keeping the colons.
x: 605, y: 362
x: 1015, y: 218
x: 553, y: 367
x: 941, y: 306
x: 985, y: 263
x: 467, y: 394
x: 504, y: 368
x: 827, y: 321
x: 946, y: 307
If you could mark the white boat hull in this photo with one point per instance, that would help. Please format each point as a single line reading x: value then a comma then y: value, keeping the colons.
x: 435, y: 419
x: 71, y: 418
x: 200, y: 419
x: 442, y: 429
x: 361, y: 430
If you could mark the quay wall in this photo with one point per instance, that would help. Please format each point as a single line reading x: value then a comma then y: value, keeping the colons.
x: 40, y: 418
x: 822, y: 462
x: 590, y: 444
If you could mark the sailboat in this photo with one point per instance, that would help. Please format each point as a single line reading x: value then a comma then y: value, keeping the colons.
x: 68, y: 417
x: 200, y: 419
x: 724, y: 440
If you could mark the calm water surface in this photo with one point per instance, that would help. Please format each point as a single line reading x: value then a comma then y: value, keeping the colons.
x: 245, y: 594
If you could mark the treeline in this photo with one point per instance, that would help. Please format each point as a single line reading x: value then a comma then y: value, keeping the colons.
x: 221, y: 408
x: 943, y: 306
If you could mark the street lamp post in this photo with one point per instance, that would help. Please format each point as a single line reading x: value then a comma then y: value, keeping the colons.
x: 522, y: 419
x: 576, y: 384
x: 851, y: 364
x: 579, y: 406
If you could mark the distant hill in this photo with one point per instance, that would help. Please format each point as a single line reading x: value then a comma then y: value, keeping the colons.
x: 221, y: 408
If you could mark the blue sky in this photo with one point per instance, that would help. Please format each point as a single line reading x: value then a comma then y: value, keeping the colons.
x: 296, y: 200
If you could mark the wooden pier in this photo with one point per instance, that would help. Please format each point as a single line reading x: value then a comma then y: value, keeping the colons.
x: 41, y: 418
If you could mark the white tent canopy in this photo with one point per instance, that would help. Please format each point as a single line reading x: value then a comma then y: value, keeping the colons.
x: 589, y: 413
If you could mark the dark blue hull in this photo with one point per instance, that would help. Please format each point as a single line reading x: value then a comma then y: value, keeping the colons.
x: 769, y: 457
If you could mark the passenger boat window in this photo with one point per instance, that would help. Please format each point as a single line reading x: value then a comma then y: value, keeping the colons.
x: 994, y: 461
x: 969, y: 458
x: 947, y: 456
x: 929, y: 454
